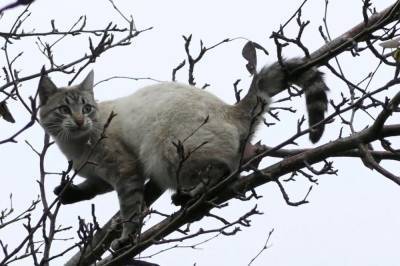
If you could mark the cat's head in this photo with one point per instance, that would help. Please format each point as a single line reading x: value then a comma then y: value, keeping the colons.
x: 68, y: 113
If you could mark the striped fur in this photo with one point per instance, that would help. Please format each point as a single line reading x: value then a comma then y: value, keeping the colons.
x: 275, y: 78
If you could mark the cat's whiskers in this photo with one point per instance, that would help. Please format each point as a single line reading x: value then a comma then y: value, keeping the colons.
x: 62, y: 135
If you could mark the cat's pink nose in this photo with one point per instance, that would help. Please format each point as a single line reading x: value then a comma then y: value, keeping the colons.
x: 79, y: 120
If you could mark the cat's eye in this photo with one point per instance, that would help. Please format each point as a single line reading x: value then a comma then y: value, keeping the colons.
x: 87, y: 109
x: 63, y: 109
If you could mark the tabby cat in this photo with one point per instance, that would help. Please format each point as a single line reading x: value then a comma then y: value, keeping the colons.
x: 153, y: 132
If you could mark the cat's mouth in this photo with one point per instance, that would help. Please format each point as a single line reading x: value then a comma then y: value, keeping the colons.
x: 77, y: 132
x: 80, y: 129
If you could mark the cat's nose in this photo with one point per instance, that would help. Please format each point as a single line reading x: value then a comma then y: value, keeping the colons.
x: 79, y: 120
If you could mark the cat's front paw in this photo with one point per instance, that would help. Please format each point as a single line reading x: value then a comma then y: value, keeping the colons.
x: 120, y: 243
x: 68, y: 193
x: 180, y: 198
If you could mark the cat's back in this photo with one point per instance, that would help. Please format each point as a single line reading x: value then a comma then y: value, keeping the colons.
x: 165, y: 103
x: 168, y: 94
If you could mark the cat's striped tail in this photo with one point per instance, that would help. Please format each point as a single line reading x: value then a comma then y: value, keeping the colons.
x: 275, y: 78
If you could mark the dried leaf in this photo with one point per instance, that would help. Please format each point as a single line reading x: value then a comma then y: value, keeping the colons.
x: 396, y: 55
x: 393, y: 43
x: 259, y: 47
x: 249, y: 53
x: 15, y: 4
x: 5, y: 113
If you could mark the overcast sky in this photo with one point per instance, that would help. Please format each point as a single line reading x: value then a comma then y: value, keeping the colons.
x: 352, y: 218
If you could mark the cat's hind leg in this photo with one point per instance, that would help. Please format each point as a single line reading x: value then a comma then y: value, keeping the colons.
x: 195, y: 177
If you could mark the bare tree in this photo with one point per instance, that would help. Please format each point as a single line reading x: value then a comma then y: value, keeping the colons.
x: 377, y: 34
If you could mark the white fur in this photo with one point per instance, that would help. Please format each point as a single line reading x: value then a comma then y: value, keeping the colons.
x: 154, y: 117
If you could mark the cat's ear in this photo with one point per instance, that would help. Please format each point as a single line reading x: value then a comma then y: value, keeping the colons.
x: 87, y: 83
x: 46, y: 89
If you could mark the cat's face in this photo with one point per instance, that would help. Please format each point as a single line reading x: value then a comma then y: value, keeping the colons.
x: 68, y: 113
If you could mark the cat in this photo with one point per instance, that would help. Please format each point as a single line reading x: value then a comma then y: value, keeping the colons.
x: 179, y: 136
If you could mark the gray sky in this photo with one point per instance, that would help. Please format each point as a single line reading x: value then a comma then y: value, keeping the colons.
x: 352, y: 218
